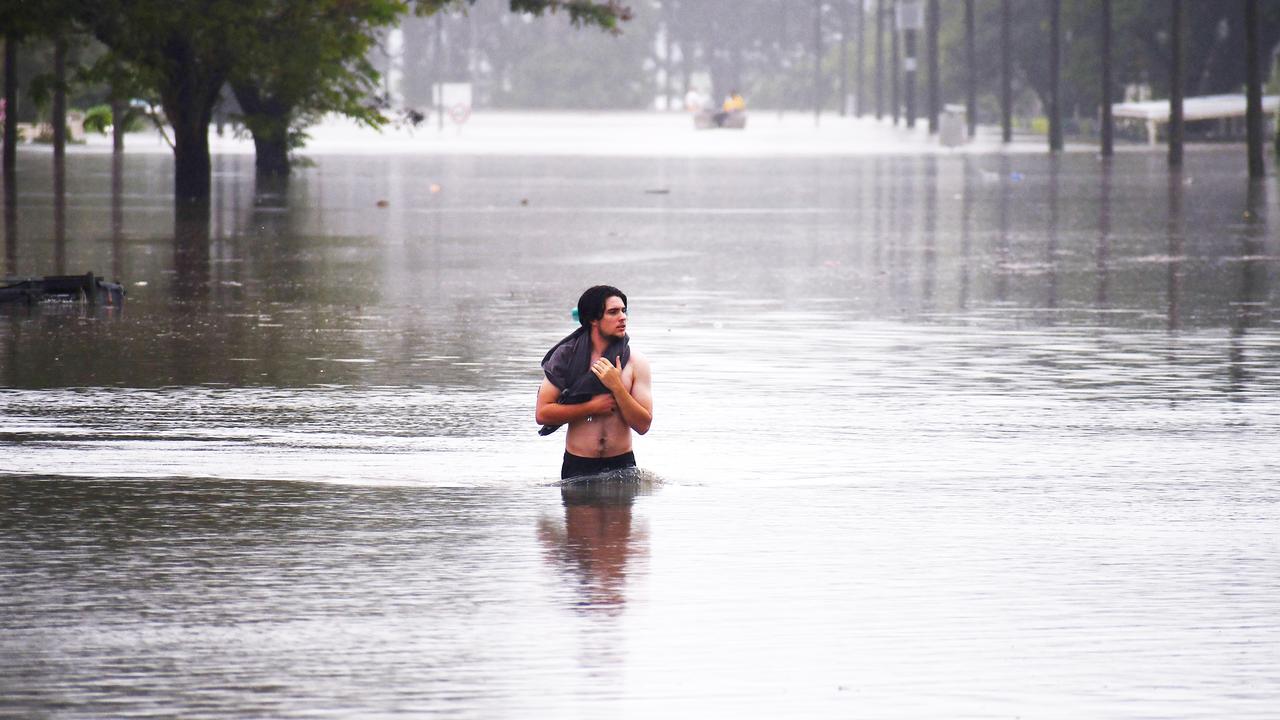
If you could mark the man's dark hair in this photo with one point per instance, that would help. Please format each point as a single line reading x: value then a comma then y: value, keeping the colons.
x: 591, y: 304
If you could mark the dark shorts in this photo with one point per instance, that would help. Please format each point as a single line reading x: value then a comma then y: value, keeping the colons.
x: 575, y: 466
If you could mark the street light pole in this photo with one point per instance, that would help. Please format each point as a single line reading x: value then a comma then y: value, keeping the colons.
x: 908, y: 22
x: 1253, y: 75
x: 1006, y: 71
x: 932, y: 25
x: 971, y: 65
x: 1055, y: 72
x: 817, y: 61
x: 844, y: 56
x: 1108, y: 145
x: 1175, y: 85
x: 879, y: 59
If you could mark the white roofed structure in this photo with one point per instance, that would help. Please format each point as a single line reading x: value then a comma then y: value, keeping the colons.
x: 1227, y: 108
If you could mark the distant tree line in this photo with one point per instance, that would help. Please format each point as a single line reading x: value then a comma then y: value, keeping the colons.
x: 281, y: 64
x: 286, y: 62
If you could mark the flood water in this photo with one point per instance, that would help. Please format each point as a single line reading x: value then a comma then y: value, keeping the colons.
x: 952, y: 436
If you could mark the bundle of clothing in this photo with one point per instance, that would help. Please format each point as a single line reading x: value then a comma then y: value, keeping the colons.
x: 568, y: 366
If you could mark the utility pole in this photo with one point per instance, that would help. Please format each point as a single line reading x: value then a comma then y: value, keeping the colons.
x: 844, y: 56
x: 971, y: 64
x: 862, y: 39
x: 1006, y: 71
x: 1253, y: 75
x: 1175, y: 85
x: 439, y: 63
x: 817, y: 61
x: 1108, y: 145
x: 895, y: 74
x: 1055, y: 75
x: 879, y: 59
x: 908, y: 21
x: 932, y: 24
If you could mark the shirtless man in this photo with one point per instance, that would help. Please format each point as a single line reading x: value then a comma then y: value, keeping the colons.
x: 600, y: 423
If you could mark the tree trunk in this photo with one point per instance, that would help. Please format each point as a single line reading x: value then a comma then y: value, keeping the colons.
x: 188, y: 92
x: 10, y: 105
x: 119, y: 113
x: 58, y: 119
x: 268, y: 120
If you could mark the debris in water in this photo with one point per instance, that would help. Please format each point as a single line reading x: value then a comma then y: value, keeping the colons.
x: 435, y: 188
x: 383, y: 203
x: 657, y: 191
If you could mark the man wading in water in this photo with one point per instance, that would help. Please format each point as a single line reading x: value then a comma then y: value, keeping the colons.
x: 596, y: 385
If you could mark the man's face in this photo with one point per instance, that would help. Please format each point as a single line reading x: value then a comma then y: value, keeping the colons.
x: 613, y: 324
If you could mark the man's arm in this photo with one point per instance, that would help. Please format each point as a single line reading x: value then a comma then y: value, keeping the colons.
x: 636, y: 405
x: 551, y: 412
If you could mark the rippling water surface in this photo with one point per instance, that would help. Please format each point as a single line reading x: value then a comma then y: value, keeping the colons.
x: 934, y: 437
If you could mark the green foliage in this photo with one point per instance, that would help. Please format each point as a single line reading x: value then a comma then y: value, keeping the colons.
x: 97, y: 119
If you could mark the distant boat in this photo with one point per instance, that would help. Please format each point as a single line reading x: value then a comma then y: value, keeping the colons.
x: 86, y: 288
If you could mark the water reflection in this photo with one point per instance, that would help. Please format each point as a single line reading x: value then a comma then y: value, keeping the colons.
x: 1175, y: 250
x: 59, y: 216
x: 117, y: 217
x: 597, y: 544
x: 10, y: 224
x: 191, y: 252
x: 1103, y: 253
x: 1250, y: 302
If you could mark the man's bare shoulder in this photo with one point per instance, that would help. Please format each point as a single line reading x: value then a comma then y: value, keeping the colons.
x: 639, y: 361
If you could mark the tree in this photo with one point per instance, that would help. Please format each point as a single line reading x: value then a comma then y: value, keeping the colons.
x: 306, y: 58
x: 185, y: 50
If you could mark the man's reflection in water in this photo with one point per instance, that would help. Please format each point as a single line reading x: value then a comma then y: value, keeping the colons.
x: 598, y: 539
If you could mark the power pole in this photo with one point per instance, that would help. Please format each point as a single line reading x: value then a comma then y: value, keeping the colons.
x: 1006, y: 71
x: 844, y: 56
x: 1108, y: 145
x: 909, y: 19
x: 1055, y: 75
x: 895, y: 78
x: 817, y: 61
x: 862, y: 39
x: 971, y: 62
x: 932, y: 23
x: 1175, y: 85
x: 879, y: 59
x: 1253, y: 75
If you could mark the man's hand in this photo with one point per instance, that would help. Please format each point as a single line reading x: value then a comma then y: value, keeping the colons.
x: 610, y: 374
x: 602, y: 404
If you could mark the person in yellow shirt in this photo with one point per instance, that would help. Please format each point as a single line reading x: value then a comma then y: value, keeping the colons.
x: 732, y: 104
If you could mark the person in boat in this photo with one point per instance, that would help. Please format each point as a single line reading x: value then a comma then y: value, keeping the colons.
x: 598, y: 386
x: 732, y: 104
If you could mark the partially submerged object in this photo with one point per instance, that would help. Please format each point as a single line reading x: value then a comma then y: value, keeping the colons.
x: 88, y: 289
x: 708, y: 120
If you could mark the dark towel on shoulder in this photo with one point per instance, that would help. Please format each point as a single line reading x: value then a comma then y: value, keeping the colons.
x: 568, y: 366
